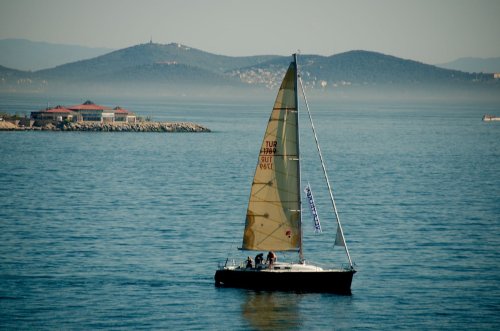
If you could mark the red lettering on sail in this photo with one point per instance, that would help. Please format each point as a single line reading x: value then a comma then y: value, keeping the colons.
x: 269, y: 147
x: 266, y: 162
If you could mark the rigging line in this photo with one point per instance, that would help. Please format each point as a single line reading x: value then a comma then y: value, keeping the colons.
x: 325, y: 173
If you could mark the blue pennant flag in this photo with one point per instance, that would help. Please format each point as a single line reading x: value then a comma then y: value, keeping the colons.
x: 312, y: 206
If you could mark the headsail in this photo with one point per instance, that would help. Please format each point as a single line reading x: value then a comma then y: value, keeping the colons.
x: 339, y: 238
x: 273, y: 220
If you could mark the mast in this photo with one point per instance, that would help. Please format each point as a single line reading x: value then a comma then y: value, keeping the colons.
x: 325, y: 174
x: 301, y: 252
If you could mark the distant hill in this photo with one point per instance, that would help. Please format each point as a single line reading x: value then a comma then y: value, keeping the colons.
x: 474, y: 64
x: 154, y: 77
x: 151, y: 53
x: 175, y: 68
x: 29, y: 55
x: 8, y: 72
x: 12, y: 80
x: 361, y: 68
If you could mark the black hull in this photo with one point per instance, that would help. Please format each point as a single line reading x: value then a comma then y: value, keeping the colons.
x: 333, y: 281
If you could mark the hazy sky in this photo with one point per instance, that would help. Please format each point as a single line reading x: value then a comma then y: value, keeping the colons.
x: 431, y: 31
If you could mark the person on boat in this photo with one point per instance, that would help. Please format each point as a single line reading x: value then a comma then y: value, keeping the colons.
x: 259, y: 259
x: 271, y: 258
x: 249, y: 262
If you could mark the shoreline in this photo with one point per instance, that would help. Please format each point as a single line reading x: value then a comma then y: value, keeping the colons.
x: 108, y: 127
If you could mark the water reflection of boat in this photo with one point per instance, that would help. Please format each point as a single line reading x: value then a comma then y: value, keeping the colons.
x: 272, y: 310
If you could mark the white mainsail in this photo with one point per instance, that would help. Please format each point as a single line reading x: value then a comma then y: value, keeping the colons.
x: 273, y: 220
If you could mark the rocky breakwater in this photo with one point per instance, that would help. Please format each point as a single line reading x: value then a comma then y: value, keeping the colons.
x: 8, y: 126
x: 110, y: 127
x: 134, y: 127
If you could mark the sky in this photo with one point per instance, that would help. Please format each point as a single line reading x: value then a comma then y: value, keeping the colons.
x: 430, y: 31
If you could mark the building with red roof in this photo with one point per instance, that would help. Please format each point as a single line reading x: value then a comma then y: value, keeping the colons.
x: 58, y: 113
x: 90, y: 112
x: 124, y: 115
x: 86, y: 112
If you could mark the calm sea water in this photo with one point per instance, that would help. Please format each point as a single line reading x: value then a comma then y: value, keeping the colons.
x: 125, y: 230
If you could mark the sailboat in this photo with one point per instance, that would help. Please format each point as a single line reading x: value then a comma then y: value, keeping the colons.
x: 274, y: 215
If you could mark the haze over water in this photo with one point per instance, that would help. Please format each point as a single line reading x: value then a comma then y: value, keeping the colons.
x: 125, y: 230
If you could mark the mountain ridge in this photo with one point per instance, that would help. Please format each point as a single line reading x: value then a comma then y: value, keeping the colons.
x: 176, y: 67
x: 158, y: 53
